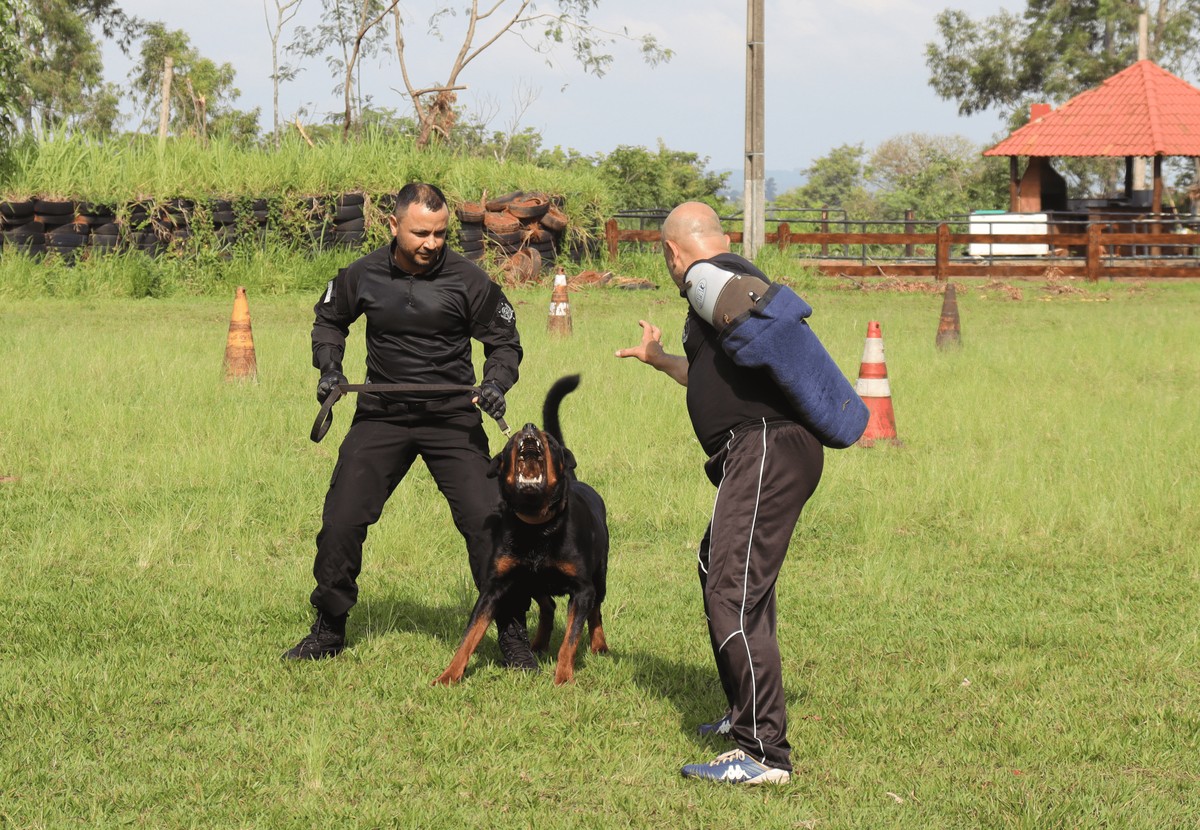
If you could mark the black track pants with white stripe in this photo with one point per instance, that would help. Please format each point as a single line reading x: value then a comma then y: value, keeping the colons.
x: 764, y: 474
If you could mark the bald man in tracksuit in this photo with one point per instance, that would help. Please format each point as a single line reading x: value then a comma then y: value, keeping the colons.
x: 765, y: 465
x: 423, y: 305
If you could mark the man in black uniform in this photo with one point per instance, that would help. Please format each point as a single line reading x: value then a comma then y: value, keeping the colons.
x: 765, y: 465
x: 423, y: 303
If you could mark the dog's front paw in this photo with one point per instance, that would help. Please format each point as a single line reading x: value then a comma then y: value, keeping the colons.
x: 447, y: 678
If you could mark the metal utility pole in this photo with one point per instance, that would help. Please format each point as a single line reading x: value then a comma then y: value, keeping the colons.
x: 754, y: 195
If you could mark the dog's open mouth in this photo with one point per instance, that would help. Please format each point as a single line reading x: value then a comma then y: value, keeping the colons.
x: 530, y: 464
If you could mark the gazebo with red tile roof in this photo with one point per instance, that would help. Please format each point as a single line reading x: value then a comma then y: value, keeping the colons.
x: 1142, y: 111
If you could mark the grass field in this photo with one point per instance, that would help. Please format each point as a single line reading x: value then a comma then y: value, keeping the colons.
x: 994, y: 625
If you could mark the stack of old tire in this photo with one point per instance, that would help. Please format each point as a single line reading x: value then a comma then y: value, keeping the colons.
x: 104, y: 234
x: 339, y: 221
x: 20, y: 231
x: 224, y: 222
x: 521, y: 230
x: 65, y: 237
x: 147, y: 233
x: 315, y: 223
x: 349, y: 220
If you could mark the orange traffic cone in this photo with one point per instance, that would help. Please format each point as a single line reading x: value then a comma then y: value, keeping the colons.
x: 240, y: 363
x: 947, y: 333
x: 559, y: 321
x: 875, y: 391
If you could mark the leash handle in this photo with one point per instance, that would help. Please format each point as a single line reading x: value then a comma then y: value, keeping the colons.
x: 325, y: 417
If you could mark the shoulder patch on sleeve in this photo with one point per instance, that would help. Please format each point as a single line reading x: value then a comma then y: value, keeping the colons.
x: 504, y: 311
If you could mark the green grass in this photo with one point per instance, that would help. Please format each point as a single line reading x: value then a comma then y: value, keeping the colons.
x: 991, y: 626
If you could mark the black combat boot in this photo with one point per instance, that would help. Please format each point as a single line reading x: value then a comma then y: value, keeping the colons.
x: 326, y: 639
x: 515, y: 651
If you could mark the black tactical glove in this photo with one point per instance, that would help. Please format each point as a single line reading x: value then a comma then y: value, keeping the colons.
x: 328, y: 381
x: 491, y: 399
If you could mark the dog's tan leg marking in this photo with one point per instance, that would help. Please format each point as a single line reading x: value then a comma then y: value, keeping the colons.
x: 567, y: 569
x: 565, y: 671
x: 541, y: 640
x: 596, y: 627
x: 504, y: 564
x: 470, y: 642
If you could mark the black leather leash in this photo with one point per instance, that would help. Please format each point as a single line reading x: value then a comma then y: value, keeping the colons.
x: 325, y: 416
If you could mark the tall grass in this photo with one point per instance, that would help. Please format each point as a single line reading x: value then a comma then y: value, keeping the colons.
x: 991, y: 626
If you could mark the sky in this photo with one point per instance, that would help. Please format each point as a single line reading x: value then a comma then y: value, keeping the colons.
x: 843, y: 72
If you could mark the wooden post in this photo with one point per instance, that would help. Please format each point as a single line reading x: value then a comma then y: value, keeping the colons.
x: 941, y: 270
x: 1093, y: 252
x: 1014, y: 183
x: 783, y: 236
x: 824, y: 229
x: 1156, y: 226
x: 908, y: 229
x: 610, y: 236
x: 164, y: 109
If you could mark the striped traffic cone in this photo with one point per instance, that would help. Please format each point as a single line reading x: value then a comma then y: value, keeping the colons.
x: 948, y: 333
x: 240, y: 363
x: 875, y: 391
x: 559, y: 319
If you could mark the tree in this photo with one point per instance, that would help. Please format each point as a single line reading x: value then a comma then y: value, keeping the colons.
x: 353, y: 29
x: 61, y: 71
x: 285, y: 11
x: 568, y: 22
x: 1055, y: 50
x: 937, y: 176
x: 638, y: 178
x: 12, y: 83
x: 350, y: 30
x: 835, y: 180
x: 202, y: 91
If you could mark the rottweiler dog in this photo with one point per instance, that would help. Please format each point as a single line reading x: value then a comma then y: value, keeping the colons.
x: 551, y: 540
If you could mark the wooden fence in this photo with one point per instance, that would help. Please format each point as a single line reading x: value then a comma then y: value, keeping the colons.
x: 1097, y: 252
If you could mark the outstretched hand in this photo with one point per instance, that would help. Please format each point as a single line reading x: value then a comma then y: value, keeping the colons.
x: 651, y: 346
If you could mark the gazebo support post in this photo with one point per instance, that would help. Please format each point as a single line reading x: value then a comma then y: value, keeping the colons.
x: 1129, y: 178
x: 1014, y: 181
x: 1156, y: 225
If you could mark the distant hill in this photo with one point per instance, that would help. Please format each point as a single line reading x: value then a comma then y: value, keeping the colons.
x: 785, y: 180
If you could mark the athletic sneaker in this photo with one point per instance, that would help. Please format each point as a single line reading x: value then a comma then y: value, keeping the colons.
x: 734, y: 767
x: 718, y: 728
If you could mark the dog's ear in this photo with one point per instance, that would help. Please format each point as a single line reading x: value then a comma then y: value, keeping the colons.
x: 568, y: 459
x: 494, y: 467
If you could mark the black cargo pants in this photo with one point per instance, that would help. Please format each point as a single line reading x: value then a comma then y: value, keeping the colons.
x: 377, y: 452
x: 764, y: 474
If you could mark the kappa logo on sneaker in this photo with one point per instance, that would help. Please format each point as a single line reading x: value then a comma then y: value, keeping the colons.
x: 735, y: 773
x: 735, y: 767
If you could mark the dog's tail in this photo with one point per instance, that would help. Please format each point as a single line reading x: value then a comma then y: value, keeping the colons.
x: 561, y: 388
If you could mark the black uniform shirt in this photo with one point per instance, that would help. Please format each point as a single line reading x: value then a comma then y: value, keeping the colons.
x: 419, y: 326
x: 720, y: 394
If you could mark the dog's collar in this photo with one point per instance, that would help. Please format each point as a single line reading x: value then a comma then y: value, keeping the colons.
x: 534, y: 520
